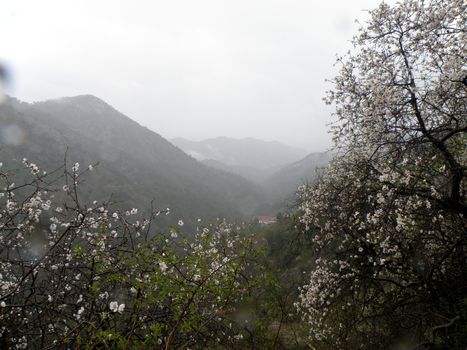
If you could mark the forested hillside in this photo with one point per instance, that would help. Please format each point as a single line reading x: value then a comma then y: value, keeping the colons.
x: 136, y: 165
x: 283, y: 183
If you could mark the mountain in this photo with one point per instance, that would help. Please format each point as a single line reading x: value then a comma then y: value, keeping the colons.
x: 136, y: 165
x: 276, y: 168
x: 282, y: 184
x: 241, y: 153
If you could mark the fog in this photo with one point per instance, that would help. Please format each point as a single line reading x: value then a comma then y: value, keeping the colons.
x: 193, y: 69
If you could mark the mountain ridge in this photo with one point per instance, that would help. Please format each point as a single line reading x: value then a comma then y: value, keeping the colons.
x: 137, y: 164
x: 245, y: 152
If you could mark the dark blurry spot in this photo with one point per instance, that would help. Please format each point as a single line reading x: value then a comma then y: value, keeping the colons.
x: 3, y: 73
x: 4, y: 80
x: 37, y: 244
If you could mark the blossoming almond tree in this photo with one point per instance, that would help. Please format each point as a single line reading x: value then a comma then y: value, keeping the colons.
x: 390, y: 214
x: 76, y: 275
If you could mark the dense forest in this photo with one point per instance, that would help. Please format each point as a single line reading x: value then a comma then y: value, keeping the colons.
x: 372, y: 255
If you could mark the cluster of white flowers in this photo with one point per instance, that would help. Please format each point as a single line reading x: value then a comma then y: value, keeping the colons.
x: 33, y: 167
x: 116, y: 307
x: 75, y: 168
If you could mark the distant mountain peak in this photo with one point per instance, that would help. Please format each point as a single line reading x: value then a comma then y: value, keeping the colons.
x: 237, y: 139
x: 243, y: 152
x: 86, y: 99
x: 80, y: 98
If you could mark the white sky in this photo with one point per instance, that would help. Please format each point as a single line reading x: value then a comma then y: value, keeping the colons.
x: 193, y: 68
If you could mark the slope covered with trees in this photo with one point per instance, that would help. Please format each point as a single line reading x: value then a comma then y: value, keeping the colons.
x: 283, y: 183
x: 136, y: 165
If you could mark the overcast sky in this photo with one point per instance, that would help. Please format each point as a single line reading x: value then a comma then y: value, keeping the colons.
x: 194, y: 68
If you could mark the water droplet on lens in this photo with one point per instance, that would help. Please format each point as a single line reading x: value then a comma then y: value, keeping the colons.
x: 12, y: 135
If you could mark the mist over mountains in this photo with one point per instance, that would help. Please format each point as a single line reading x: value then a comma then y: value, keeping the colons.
x: 138, y: 167
x: 247, y: 152
x: 277, y: 168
